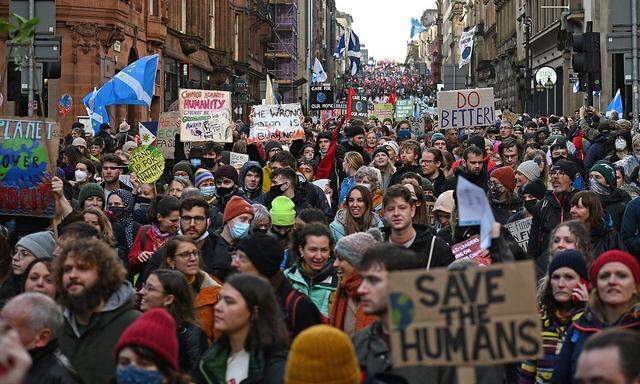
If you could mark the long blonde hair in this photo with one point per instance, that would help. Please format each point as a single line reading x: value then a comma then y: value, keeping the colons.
x: 354, y: 160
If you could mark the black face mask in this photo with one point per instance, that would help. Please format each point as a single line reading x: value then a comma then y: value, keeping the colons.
x: 209, y: 162
x: 224, y: 192
x: 116, y: 212
x: 554, y: 160
x: 429, y: 199
x: 276, y: 190
x: 529, y: 205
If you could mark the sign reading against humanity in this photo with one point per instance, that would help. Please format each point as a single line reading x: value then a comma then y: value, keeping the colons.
x: 28, y: 153
x: 466, y: 108
x: 485, y: 315
x: 205, y: 115
x: 276, y: 122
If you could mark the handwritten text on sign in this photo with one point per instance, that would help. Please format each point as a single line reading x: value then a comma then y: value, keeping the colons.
x: 168, y: 127
x: 205, y: 115
x: 482, y: 315
x: 520, y: 230
x: 276, y: 122
x: 28, y: 154
x: 466, y: 108
x: 147, y: 163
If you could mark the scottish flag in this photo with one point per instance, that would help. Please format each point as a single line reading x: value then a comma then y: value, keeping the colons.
x: 340, y: 48
x: 615, y: 105
x: 416, y: 27
x: 134, y: 85
x: 354, y: 53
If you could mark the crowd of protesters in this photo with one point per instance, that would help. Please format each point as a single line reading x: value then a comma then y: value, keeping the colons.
x: 278, y: 270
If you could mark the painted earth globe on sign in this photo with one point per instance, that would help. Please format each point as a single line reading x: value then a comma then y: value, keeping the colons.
x: 402, y: 310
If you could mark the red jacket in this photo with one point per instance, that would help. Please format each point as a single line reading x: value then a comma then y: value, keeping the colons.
x: 147, y: 242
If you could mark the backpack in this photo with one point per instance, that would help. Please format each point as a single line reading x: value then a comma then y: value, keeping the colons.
x: 290, y: 306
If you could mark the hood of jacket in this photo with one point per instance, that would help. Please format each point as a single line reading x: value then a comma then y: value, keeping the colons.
x: 341, y: 217
x: 617, y: 196
x: 254, y: 165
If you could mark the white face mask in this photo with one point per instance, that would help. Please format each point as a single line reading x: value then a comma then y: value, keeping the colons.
x: 80, y: 175
x: 621, y: 144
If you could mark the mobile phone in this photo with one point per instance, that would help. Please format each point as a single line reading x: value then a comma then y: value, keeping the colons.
x: 574, y: 297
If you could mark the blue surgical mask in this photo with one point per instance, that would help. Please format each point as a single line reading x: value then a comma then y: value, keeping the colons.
x: 195, y: 162
x: 208, y: 191
x: 134, y: 375
x: 239, y: 231
x: 183, y: 178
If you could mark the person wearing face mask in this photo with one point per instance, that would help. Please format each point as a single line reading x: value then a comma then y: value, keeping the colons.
x: 195, y: 158
x: 285, y: 183
x: 38, y: 319
x: 204, y: 181
x: 120, y: 211
x: 504, y: 203
x: 621, y: 147
x: 85, y: 170
x: 602, y: 181
x: 182, y: 171
x: 226, y: 186
x: 530, y: 194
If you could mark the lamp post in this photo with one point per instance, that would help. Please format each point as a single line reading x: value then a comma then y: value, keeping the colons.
x: 539, y: 88
x: 548, y: 85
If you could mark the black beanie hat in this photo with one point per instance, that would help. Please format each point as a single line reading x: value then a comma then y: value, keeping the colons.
x: 264, y: 251
x: 567, y: 167
x: 354, y: 131
x: 572, y: 259
x: 325, y: 135
x: 478, y: 141
x: 535, y: 188
x: 380, y: 149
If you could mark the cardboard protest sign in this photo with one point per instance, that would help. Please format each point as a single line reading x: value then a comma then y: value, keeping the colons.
x: 147, y: 163
x: 383, y: 110
x: 404, y: 109
x: 237, y: 160
x: 430, y: 215
x: 321, y: 97
x: 417, y: 125
x: 464, y: 108
x: 168, y: 127
x: 510, y: 117
x: 359, y: 108
x: 276, y: 122
x: 205, y: 115
x: 470, y: 249
x: 520, y: 230
x: 484, y: 315
x: 29, y: 151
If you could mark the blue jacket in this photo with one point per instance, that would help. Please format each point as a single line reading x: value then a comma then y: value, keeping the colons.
x: 630, y: 228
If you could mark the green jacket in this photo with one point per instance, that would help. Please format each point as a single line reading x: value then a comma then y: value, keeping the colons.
x: 90, y: 348
x: 320, y: 288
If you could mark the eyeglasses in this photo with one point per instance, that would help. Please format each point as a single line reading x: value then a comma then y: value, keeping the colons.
x: 150, y: 288
x: 188, y: 254
x: 427, y: 161
x: 21, y: 254
x: 242, y: 259
x: 189, y: 219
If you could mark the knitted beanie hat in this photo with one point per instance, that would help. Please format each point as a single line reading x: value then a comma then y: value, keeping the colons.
x: 567, y: 167
x: 40, y: 244
x: 354, y: 131
x: 380, y: 149
x: 264, y: 251
x: 154, y: 330
x: 393, y: 145
x: 283, y: 211
x: 227, y: 171
x: 79, y: 142
x: 236, y: 207
x: 183, y: 166
x: 529, y: 169
x: 271, y: 145
x: 607, y: 171
x: 437, y: 136
x: 352, y: 247
x: 322, y: 354
x: 611, y: 256
x: 202, y: 175
x: 535, y: 188
x: 88, y: 190
x: 129, y: 146
x: 572, y: 259
x: 506, y: 176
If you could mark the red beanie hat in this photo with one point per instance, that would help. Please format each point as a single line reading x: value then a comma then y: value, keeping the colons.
x: 506, y: 176
x: 236, y: 207
x: 610, y: 257
x: 156, y: 331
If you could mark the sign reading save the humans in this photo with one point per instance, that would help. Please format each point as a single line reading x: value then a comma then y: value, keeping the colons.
x: 484, y: 315
x: 205, y: 115
x: 466, y: 108
x: 276, y: 122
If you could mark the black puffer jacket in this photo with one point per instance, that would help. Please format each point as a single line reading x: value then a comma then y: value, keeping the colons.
x: 442, y: 255
x: 192, y: 343
x: 50, y: 366
x: 614, y: 206
x: 604, y: 239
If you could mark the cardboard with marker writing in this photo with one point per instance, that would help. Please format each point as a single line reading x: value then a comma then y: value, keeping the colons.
x: 480, y: 316
x: 466, y: 108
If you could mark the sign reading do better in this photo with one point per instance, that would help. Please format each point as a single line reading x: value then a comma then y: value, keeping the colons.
x: 466, y: 108
x: 482, y: 315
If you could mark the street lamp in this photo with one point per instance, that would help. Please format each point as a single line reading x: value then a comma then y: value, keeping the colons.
x: 539, y: 87
x: 548, y: 85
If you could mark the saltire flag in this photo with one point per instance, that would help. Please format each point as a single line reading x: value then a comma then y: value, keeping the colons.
x: 134, y: 85
x: 466, y: 47
x: 416, y: 27
x: 615, y: 105
x: 354, y: 53
x: 340, y: 48
x: 319, y: 75
x: 146, y: 137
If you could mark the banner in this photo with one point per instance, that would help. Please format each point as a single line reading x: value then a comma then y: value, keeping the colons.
x: 470, y: 249
x: 205, y: 115
x: 466, y: 47
x: 359, y: 108
x: 321, y: 97
x: 383, y: 111
x: 29, y: 152
x: 147, y: 163
x: 466, y: 108
x: 168, y: 128
x: 404, y: 109
x: 276, y: 122
x: 477, y: 316
x: 520, y: 230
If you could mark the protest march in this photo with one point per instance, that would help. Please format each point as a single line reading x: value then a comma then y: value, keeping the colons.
x: 387, y: 227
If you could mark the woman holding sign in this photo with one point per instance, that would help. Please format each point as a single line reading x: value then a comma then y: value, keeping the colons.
x: 562, y: 296
x: 614, y: 302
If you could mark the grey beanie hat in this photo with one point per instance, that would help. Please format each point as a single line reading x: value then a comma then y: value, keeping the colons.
x: 41, y: 244
x: 530, y: 169
x: 352, y: 247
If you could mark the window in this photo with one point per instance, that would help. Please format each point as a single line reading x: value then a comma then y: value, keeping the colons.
x: 236, y: 37
x: 212, y: 23
x: 170, y: 82
x: 152, y: 7
x: 183, y: 16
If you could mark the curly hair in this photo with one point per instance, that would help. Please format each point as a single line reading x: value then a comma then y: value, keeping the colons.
x: 299, y: 238
x: 97, y: 254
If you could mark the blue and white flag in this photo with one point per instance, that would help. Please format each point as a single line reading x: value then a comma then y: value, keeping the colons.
x: 416, y: 27
x: 466, y: 47
x: 340, y: 48
x: 319, y: 75
x: 134, y: 85
x: 354, y: 53
x: 615, y: 105
x: 576, y: 86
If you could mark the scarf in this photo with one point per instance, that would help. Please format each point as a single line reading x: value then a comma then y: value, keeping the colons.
x: 159, y: 237
x: 126, y: 220
x: 348, y: 289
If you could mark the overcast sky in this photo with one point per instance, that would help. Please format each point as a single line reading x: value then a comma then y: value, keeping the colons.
x: 384, y: 26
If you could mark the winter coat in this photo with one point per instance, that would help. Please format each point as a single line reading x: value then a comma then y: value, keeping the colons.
x: 596, y: 149
x: 300, y: 312
x: 502, y: 212
x: 346, y: 185
x: 442, y: 255
x: 630, y: 229
x: 192, y: 344
x: 13, y: 286
x: 50, y: 366
x: 146, y: 240
x: 255, y: 166
x: 299, y: 199
x: 266, y: 366
x: 320, y: 287
x: 438, y: 183
x: 614, y: 206
x: 348, y: 147
x: 90, y: 347
x: 397, y: 177
x: 206, y: 299
x: 338, y: 225
x: 578, y: 333
x: 604, y: 239
x: 346, y: 312
x: 316, y: 198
